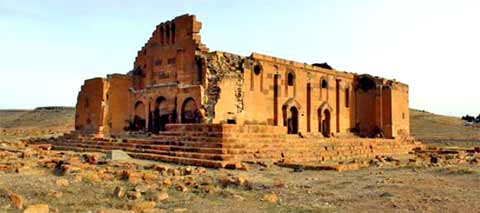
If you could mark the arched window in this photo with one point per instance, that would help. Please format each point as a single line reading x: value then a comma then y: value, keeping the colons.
x: 366, y: 83
x: 290, y: 79
x: 257, y: 69
x: 324, y: 83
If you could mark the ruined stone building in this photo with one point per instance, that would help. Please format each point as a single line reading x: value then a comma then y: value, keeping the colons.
x: 177, y: 79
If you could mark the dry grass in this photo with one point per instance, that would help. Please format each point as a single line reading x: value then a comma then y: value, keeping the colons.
x: 442, y: 130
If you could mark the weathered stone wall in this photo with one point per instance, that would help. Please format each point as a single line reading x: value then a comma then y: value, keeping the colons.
x: 224, y: 92
x: 117, y: 111
x: 90, y: 106
x: 270, y: 97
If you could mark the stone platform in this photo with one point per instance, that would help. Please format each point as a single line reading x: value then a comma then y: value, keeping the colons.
x: 227, y: 145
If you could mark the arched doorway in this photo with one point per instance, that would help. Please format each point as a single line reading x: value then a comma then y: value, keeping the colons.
x: 326, y: 123
x: 139, y: 117
x: 292, y: 121
x: 189, y: 111
x: 160, y: 114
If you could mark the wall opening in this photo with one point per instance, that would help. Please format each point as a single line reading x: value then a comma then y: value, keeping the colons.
x: 257, y: 69
x: 139, y: 117
x: 160, y: 114
x: 167, y: 32
x: 366, y: 83
x: 324, y: 83
x: 292, y: 121
x: 162, y: 35
x: 290, y: 79
x: 323, y: 88
x: 324, y: 122
x: 276, y: 79
x: 173, y: 33
x: 189, y: 111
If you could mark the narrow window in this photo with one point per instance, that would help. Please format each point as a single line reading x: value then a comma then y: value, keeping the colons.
x: 167, y: 31
x: 324, y: 84
x: 173, y: 33
x: 257, y: 69
x: 162, y: 35
x: 290, y: 79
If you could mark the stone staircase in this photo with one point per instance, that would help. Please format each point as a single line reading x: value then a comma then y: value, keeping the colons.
x: 223, y: 145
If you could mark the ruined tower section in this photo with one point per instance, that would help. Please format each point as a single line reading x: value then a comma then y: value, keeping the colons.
x: 90, y: 108
x: 168, y: 78
x: 382, y: 107
x: 101, y: 107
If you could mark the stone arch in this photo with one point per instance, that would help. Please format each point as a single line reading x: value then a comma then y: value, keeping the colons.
x: 292, y: 121
x: 291, y: 78
x: 189, y: 111
x: 291, y: 110
x: 366, y: 83
x: 161, y: 114
x: 139, y: 116
x: 257, y: 69
x: 324, y: 114
x: 323, y: 88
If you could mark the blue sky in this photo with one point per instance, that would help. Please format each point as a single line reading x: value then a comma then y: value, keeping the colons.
x: 48, y: 48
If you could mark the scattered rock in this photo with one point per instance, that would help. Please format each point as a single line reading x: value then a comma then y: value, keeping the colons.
x: 142, y: 188
x: 150, y: 177
x: 144, y: 205
x: 224, y: 181
x: 270, y: 197
x: 91, y: 159
x: 160, y: 196
x: 134, y: 195
x: 56, y: 194
x: 241, y: 181
x: 181, y: 188
x: 118, y: 155
x: 62, y: 182
x: 115, y: 211
x: 119, y: 192
x: 37, y: 208
x: 16, y: 199
x: 167, y: 182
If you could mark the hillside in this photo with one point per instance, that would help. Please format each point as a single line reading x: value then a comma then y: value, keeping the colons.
x: 42, y: 121
x: 442, y: 130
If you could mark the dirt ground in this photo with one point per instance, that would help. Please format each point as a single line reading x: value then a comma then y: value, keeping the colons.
x: 430, y: 181
x: 86, y: 182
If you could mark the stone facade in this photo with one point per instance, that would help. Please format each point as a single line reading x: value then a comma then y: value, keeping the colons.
x: 176, y: 79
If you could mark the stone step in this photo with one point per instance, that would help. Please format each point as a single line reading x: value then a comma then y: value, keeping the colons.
x: 85, y: 146
x: 155, y: 157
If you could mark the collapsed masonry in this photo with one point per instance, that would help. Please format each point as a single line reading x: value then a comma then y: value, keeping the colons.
x: 202, y: 105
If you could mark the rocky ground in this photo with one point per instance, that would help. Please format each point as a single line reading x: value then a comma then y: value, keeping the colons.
x: 36, y: 179
x: 33, y: 177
